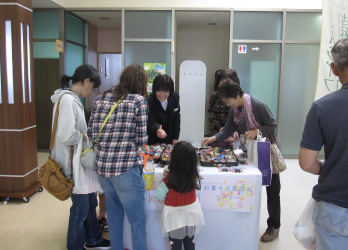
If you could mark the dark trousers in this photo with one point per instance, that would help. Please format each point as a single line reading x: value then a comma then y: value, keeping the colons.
x: 273, y: 202
x: 83, y: 223
x: 176, y: 244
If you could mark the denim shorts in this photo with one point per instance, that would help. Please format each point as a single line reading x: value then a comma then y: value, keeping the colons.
x: 331, y: 224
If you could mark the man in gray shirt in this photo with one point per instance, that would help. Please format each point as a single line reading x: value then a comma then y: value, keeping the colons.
x: 327, y: 124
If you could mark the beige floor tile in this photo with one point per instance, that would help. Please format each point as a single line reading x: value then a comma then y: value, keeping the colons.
x: 42, y: 223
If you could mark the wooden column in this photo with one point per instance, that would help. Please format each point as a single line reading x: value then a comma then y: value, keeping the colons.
x: 18, y: 149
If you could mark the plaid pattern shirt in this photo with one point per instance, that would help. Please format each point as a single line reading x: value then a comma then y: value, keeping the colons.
x: 125, y: 130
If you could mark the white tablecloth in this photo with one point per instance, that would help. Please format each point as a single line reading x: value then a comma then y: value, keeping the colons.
x: 223, y: 229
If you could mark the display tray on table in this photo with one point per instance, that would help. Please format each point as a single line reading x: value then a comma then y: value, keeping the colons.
x: 155, y: 151
x: 211, y: 157
x: 165, y: 157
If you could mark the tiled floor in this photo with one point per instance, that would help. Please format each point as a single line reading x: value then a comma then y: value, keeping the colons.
x: 41, y: 224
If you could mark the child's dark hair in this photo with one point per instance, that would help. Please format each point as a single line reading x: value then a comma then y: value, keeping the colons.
x: 163, y: 82
x: 183, y: 171
x: 81, y: 73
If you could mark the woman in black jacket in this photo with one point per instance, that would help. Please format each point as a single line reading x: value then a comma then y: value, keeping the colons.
x: 164, y: 112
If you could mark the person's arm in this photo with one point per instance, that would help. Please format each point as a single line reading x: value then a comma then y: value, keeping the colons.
x: 161, y: 191
x: 92, y: 129
x: 153, y: 125
x: 312, y: 141
x: 141, y: 122
x: 228, y: 129
x: 66, y: 133
x: 225, y: 133
x: 309, y: 161
x: 177, y: 118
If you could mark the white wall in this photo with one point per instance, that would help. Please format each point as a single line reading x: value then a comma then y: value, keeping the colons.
x: 207, y: 44
x: 228, y: 4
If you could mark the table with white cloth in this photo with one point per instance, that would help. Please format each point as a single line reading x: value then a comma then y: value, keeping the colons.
x: 231, y: 206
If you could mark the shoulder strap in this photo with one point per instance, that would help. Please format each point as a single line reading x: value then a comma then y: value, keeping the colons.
x: 54, y: 130
x: 107, y: 118
x: 53, y: 134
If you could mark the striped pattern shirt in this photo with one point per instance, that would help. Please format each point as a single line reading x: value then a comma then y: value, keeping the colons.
x: 125, y: 130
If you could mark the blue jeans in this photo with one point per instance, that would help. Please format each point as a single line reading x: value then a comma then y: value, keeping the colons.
x: 83, y: 223
x: 331, y: 226
x: 125, y: 193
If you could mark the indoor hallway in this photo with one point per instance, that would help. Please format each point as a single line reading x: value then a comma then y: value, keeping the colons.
x: 42, y: 223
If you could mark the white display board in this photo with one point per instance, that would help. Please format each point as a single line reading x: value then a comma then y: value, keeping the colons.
x: 192, y: 88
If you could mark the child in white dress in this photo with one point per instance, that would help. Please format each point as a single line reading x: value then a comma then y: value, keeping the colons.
x: 182, y: 215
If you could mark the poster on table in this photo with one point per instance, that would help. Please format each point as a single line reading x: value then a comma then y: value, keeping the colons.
x: 153, y: 70
x: 231, y: 193
x: 152, y: 202
x: 334, y: 27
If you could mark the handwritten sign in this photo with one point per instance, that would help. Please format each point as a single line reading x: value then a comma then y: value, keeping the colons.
x: 229, y: 194
x: 334, y: 27
x: 152, y: 202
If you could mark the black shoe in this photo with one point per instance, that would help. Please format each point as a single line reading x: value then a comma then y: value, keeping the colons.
x: 105, y: 244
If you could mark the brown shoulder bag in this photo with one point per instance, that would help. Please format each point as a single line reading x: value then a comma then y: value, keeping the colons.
x: 51, y: 175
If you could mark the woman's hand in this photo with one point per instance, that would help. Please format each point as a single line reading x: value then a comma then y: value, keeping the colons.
x: 161, y: 133
x: 251, y: 134
x: 208, y: 140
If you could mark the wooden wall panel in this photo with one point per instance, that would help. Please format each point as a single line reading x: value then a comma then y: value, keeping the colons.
x: 19, y: 186
x: 18, y: 115
x: 18, y: 152
x: 18, y: 149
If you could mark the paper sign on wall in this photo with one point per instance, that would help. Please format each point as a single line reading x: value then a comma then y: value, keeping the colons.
x: 153, y: 70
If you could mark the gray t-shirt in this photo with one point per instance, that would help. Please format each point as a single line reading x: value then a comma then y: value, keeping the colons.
x: 327, y: 124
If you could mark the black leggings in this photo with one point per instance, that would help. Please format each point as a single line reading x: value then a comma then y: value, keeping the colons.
x: 176, y: 244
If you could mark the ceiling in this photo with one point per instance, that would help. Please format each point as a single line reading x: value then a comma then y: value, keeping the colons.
x: 183, y: 18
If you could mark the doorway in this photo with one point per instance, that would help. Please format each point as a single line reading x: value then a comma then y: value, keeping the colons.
x: 203, y: 36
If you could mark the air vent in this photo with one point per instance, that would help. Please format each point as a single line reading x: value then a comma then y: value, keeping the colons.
x: 211, y: 23
x: 104, y: 18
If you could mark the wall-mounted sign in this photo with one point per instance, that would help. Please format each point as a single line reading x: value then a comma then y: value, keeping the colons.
x: 242, y: 49
x: 59, y: 46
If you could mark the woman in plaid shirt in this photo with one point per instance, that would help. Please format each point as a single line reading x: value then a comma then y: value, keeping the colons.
x: 119, y: 165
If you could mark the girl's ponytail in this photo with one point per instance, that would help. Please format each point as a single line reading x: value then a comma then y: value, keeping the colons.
x: 64, y: 81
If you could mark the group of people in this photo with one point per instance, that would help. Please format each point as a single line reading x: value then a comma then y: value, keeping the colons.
x: 119, y: 173
x: 138, y: 120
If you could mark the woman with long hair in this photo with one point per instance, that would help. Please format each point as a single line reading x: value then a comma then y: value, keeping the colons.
x: 119, y: 165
